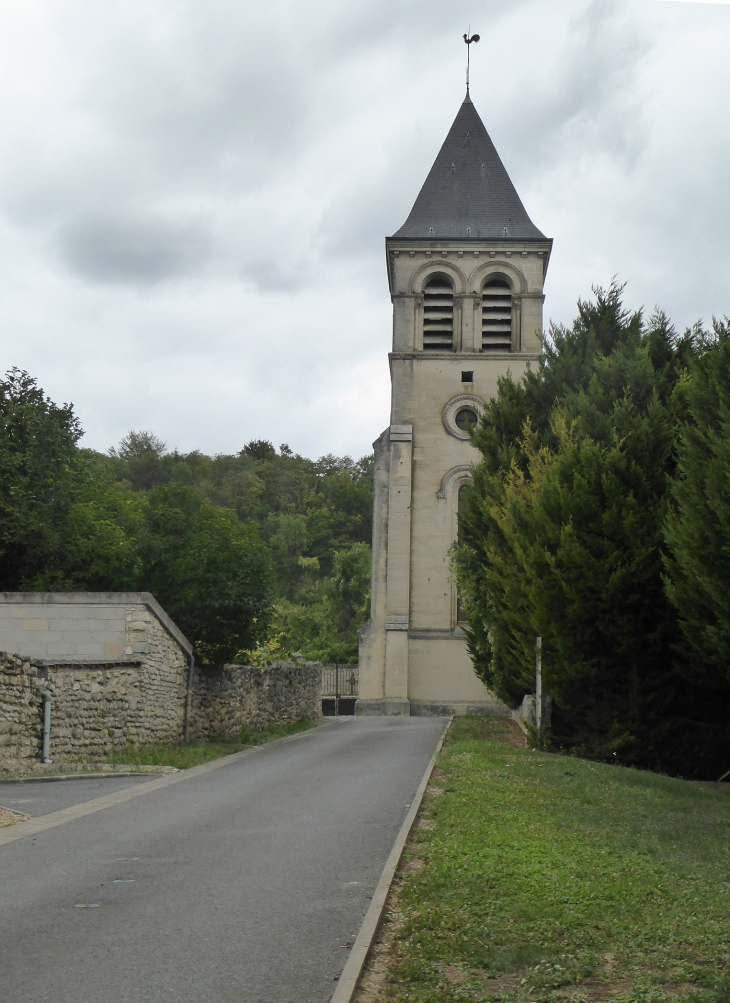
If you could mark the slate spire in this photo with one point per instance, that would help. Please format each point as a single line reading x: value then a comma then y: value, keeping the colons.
x: 468, y: 194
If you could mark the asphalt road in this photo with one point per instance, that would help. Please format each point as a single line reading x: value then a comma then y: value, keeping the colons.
x: 245, y: 884
x: 39, y: 797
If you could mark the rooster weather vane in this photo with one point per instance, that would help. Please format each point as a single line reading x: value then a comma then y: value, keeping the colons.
x: 469, y: 39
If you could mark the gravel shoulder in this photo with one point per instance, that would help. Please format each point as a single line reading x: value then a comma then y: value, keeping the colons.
x: 9, y: 817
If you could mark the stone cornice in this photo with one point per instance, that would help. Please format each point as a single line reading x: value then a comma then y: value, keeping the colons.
x: 462, y: 356
x: 465, y: 248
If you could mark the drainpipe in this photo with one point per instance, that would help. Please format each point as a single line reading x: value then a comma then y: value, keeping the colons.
x: 189, y: 697
x: 47, y: 700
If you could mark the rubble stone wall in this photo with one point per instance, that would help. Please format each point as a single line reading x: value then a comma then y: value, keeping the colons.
x: 99, y: 709
x: 21, y: 711
x: 237, y: 697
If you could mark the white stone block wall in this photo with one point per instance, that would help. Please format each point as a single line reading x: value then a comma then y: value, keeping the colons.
x: 64, y: 629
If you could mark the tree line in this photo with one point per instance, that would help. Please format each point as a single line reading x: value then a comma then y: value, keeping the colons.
x: 598, y: 518
x: 255, y: 555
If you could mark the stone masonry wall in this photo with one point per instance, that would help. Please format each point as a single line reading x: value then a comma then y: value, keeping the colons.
x: 138, y: 704
x: 100, y: 708
x: 20, y: 709
x: 227, y: 700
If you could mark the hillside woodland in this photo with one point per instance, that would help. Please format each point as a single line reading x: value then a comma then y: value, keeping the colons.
x: 255, y: 555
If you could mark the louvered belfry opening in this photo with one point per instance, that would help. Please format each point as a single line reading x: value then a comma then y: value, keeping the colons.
x: 438, y: 315
x: 497, y: 316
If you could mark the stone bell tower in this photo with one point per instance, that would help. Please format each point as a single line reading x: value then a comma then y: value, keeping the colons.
x: 466, y: 273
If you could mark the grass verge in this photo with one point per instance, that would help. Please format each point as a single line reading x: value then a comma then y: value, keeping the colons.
x: 184, y: 755
x: 537, y: 878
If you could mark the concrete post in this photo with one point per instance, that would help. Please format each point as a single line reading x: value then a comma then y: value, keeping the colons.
x: 538, y: 686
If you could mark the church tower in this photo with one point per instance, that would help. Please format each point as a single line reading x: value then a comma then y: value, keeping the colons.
x: 466, y: 273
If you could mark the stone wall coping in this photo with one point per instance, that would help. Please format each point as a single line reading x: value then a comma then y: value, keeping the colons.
x: 298, y: 663
x: 101, y: 599
x: 86, y: 663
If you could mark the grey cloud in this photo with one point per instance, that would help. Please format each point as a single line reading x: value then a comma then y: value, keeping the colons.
x: 129, y: 249
x: 207, y: 187
x: 584, y: 100
x: 207, y: 103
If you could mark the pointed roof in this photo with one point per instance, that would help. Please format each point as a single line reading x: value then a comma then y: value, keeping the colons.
x: 468, y: 193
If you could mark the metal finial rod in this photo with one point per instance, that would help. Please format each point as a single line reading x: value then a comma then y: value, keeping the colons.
x: 469, y: 38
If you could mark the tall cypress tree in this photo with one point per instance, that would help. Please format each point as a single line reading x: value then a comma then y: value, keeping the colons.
x: 698, y: 529
x: 563, y: 530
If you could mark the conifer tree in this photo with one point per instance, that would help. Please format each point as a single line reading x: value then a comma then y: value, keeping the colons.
x: 563, y: 532
x: 698, y: 530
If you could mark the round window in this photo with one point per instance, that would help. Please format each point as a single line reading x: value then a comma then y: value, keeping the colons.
x: 461, y: 415
x: 466, y: 419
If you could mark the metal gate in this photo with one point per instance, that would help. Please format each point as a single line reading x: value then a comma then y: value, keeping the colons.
x: 339, y: 689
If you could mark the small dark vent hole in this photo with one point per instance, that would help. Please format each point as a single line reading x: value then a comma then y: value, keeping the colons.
x: 467, y: 377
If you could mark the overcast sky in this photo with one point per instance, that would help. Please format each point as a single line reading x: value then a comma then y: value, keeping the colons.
x: 194, y: 196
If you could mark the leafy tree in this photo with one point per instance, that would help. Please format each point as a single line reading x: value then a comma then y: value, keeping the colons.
x: 351, y: 589
x: 137, y: 444
x: 212, y: 574
x: 142, y: 452
x: 287, y: 534
x: 259, y: 449
x: 323, y: 620
x: 98, y: 543
x: 304, y: 508
x: 38, y: 476
x: 143, y: 518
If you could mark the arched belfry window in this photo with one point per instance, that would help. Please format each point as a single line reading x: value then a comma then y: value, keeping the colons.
x: 497, y: 316
x: 438, y: 315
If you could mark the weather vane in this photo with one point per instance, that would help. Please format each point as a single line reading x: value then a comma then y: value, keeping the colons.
x: 468, y: 38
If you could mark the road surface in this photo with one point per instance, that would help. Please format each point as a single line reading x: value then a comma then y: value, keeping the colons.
x: 40, y: 797
x: 246, y: 884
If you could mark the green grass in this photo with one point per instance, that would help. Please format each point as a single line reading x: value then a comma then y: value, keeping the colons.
x: 184, y: 755
x: 537, y: 877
